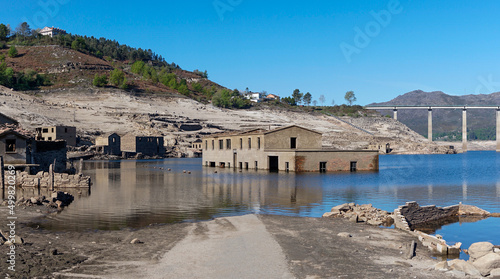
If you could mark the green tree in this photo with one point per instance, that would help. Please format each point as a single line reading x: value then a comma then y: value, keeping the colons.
x: 100, y: 81
x: 125, y: 85
x: 350, y: 97
x: 4, y: 32
x: 117, y: 76
x: 307, y: 98
x: 23, y: 30
x: 183, y: 89
x: 297, y: 96
x: 79, y: 44
x: 289, y: 100
x: 138, y: 67
x: 12, y: 52
x: 197, y: 87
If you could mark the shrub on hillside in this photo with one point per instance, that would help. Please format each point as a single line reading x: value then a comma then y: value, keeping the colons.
x: 12, y: 52
x: 117, y: 76
x: 100, y: 81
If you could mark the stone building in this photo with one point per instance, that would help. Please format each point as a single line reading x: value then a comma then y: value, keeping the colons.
x: 291, y: 148
x: 150, y: 146
x: 109, y: 144
x: 14, y: 147
x: 51, y: 31
x: 52, y: 133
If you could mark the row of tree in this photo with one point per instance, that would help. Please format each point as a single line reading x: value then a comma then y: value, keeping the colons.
x: 298, y: 98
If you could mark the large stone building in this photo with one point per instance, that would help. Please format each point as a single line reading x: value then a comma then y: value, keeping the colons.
x: 291, y: 148
x: 150, y: 146
x: 52, y: 133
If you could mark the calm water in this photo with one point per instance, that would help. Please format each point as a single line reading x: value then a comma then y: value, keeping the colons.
x: 138, y: 193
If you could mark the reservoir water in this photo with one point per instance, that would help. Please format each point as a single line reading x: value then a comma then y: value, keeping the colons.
x: 138, y: 193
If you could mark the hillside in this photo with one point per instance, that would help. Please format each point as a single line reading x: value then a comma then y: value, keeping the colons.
x: 68, y: 68
x: 150, y: 107
x: 481, y: 123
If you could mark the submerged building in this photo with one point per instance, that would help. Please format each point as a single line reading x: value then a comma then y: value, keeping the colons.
x: 291, y: 148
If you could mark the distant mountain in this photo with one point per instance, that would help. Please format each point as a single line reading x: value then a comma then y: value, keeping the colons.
x: 447, y: 123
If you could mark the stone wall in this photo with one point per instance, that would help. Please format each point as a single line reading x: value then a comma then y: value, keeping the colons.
x: 43, y: 179
x: 415, y: 214
x: 45, y: 152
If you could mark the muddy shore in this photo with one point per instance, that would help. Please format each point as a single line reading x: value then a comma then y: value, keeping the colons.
x: 311, y: 247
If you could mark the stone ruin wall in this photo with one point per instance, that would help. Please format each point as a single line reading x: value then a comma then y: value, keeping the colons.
x: 43, y: 180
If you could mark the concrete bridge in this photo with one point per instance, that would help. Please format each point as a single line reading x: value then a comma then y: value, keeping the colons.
x: 429, y: 118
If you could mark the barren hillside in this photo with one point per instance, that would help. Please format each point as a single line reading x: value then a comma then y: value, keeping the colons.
x: 182, y: 120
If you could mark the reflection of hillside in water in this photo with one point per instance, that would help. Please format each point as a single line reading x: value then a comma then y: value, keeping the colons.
x: 138, y: 193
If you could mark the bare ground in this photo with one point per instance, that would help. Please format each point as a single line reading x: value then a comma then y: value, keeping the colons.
x: 220, y: 248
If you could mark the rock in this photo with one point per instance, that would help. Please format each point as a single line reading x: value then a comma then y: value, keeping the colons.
x: 496, y: 250
x: 495, y: 273
x: 33, y: 200
x: 374, y: 222
x: 479, y: 249
x: 354, y: 218
x: 53, y: 252
x: 329, y: 214
x: 456, y: 273
x: 18, y: 240
x: 341, y: 208
x: 441, y: 265
x: 464, y: 266
x: 344, y: 234
x: 59, y: 203
x: 135, y: 241
x: 487, y: 263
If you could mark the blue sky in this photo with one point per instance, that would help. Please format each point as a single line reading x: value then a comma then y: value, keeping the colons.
x: 378, y: 49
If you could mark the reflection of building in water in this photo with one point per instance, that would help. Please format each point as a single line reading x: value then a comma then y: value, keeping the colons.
x: 260, y: 190
x: 464, y: 190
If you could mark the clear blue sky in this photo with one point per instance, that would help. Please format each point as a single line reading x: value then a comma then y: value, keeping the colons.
x: 277, y: 46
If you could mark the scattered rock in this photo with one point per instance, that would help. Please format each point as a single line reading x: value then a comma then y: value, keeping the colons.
x: 53, y: 252
x: 464, y: 266
x: 19, y: 240
x: 328, y: 214
x: 487, y: 263
x: 479, y: 249
x: 361, y: 213
x: 344, y: 234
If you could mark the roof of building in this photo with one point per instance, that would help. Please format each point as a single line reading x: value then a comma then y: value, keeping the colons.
x: 46, y: 28
x: 258, y: 131
x: 5, y: 131
x: 10, y: 118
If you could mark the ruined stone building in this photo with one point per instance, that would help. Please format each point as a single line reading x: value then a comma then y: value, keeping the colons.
x: 14, y: 147
x: 150, y: 146
x: 291, y: 148
x: 109, y: 144
x: 52, y: 133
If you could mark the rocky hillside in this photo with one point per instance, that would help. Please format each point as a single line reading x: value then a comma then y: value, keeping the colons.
x: 446, y: 121
x: 182, y: 120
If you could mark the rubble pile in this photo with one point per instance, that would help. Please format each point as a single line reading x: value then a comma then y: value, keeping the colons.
x: 361, y: 213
